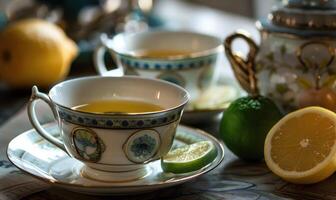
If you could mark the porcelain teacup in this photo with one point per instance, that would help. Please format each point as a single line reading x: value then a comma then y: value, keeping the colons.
x: 193, y: 69
x: 112, y: 146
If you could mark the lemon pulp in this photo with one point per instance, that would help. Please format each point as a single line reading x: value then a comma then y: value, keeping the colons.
x: 301, y: 147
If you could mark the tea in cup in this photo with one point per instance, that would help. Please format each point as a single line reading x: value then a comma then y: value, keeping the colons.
x: 184, y: 58
x: 114, y: 125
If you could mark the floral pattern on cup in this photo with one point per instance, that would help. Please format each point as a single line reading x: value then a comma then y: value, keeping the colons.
x: 88, y: 145
x: 179, y: 64
x: 119, y: 121
x: 142, y: 145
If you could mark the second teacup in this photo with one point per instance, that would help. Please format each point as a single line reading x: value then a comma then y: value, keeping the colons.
x: 114, y: 146
x: 184, y: 58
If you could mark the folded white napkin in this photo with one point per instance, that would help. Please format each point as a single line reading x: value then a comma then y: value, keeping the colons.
x: 15, y: 184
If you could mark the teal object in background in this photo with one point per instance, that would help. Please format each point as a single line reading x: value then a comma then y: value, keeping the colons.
x: 3, y: 20
x: 71, y: 11
x: 71, y: 8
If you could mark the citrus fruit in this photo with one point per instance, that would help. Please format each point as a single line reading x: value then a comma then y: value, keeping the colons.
x: 245, y: 124
x: 301, y: 147
x: 34, y: 51
x: 189, y: 158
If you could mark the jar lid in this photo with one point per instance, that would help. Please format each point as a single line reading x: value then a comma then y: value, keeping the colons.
x: 303, y: 15
x: 310, y: 4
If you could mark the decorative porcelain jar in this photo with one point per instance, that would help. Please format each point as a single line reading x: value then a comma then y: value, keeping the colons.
x: 294, y: 63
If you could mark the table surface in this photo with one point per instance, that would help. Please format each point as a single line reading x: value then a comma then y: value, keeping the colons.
x: 233, y: 179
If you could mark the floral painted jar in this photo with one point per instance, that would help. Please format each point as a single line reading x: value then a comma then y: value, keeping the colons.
x: 294, y: 63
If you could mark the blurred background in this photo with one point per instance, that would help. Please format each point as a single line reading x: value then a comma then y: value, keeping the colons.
x: 84, y: 20
x: 248, y: 8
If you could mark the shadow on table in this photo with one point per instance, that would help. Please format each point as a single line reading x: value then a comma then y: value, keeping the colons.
x: 176, y: 192
x: 257, y: 178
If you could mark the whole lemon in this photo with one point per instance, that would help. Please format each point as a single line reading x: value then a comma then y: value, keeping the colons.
x: 245, y: 124
x: 34, y: 52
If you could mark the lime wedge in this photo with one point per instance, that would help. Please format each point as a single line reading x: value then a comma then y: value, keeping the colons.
x: 189, y: 157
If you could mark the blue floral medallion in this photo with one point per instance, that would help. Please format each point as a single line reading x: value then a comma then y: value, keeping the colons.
x: 88, y: 145
x: 142, y: 146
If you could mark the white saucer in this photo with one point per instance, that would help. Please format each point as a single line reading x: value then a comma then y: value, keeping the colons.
x: 203, y: 112
x: 35, y: 156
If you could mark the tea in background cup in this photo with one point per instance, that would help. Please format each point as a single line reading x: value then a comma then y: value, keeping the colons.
x: 184, y: 58
x: 114, y: 125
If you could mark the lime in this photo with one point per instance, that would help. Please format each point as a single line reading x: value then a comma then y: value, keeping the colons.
x: 245, y: 124
x: 189, y: 157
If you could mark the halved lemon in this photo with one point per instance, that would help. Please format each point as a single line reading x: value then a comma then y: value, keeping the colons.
x: 301, y: 147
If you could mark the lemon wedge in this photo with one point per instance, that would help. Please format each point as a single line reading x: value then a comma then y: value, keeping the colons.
x: 301, y: 147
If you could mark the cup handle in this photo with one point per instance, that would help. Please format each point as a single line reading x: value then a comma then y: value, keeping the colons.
x: 98, y: 58
x: 244, y: 69
x: 34, y: 121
